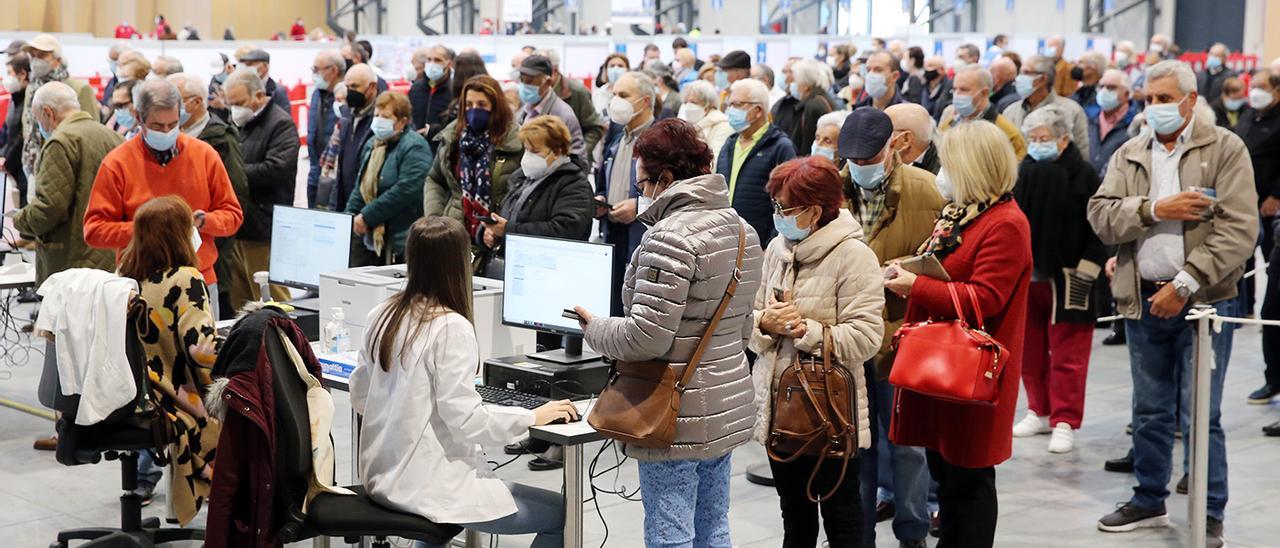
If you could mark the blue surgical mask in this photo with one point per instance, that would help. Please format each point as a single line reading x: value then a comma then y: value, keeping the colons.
x: 613, y: 73
x: 786, y: 227
x: 828, y: 153
x: 183, y: 115
x: 722, y: 79
x: 124, y: 118
x: 529, y: 94
x: 113, y: 65
x: 44, y: 133
x: 964, y: 105
x: 1234, y: 105
x: 737, y: 119
x: 318, y: 81
x: 383, y: 128
x: 1107, y: 99
x: 869, y: 176
x: 876, y: 85
x: 794, y: 90
x: 159, y: 141
x: 1025, y: 84
x: 1051, y: 52
x: 1213, y: 62
x: 433, y: 71
x: 1043, y: 152
x: 1165, y: 118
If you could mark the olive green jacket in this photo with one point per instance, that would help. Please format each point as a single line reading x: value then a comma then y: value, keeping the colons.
x: 442, y: 193
x: 69, y: 163
x: 573, y: 93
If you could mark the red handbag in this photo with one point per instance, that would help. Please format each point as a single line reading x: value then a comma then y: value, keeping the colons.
x: 948, y: 359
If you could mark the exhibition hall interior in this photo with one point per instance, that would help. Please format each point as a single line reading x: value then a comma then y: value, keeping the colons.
x: 639, y: 273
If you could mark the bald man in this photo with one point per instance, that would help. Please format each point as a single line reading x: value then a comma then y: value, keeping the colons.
x: 918, y: 126
x: 362, y: 91
x: 1003, y: 73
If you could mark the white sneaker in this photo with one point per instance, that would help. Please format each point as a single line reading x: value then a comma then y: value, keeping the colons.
x: 1063, y: 439
x: 1031, y: 425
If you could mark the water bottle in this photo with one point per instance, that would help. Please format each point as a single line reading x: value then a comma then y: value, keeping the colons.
x: 264, y: 289
x: 337, y: 339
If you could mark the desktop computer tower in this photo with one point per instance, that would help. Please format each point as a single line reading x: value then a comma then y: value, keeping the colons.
x: 547, y: 379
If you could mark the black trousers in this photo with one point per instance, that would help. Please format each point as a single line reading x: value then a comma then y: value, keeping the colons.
x: 1271, y: 311
x: 967, y: 504
x: 841, y: 514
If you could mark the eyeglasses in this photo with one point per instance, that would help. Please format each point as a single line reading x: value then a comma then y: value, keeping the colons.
x: 777, y: 207
x: 744, y: 105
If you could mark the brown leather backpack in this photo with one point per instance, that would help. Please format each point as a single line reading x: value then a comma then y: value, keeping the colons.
x: 815, y: 412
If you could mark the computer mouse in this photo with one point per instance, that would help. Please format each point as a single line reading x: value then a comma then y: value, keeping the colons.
x: 563, y: 420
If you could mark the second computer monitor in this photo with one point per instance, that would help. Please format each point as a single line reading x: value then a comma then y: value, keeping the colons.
x: 306, y: 243
x: 545, y: 276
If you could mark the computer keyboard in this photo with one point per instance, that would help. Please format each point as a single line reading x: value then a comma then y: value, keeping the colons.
x: 504, y: 396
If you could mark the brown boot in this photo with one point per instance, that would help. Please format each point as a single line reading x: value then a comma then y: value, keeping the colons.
x: 46, y: 444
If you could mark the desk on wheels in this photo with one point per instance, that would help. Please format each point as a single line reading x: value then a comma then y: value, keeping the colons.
x: 572, y: 436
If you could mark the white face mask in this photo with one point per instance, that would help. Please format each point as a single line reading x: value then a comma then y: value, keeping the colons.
x: 692, y: 113
x: 535, y: 167
x: 944, y: 186
x: 241, y: 115
x: 621, y: 111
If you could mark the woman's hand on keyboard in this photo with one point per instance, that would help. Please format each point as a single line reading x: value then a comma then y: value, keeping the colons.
x: 560, y: 411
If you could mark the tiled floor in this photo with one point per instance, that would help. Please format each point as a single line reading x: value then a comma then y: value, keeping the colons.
x: 1045, y: 500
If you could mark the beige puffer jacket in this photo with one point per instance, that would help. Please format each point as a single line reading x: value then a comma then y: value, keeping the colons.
x: 672, y: 288
x: 835, y: 280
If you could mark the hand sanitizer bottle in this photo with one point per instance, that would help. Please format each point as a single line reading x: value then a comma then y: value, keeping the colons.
x: 337, y: 339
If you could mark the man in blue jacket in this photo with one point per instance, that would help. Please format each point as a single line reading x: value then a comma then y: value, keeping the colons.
x: 751, y: 153
x: 362, y: 92
x: 326, y: 73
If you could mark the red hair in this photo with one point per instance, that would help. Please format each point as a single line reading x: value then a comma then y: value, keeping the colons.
x: 809, y: 181
x: 673, y: 146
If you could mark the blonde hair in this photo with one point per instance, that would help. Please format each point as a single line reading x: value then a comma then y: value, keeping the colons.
x: 550, y: 132
x: 396, y: 102
x: 979, y: 162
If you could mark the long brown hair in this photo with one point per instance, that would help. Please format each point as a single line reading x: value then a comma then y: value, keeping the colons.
x: 438, y: 259
x: 161, y: 239
x: 500, y: 115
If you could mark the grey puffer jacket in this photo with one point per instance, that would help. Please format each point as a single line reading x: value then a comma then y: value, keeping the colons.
x: 672, y: 287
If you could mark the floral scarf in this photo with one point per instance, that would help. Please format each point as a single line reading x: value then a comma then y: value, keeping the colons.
x: 951, y: 222
x: 475, y: 150
x: 31, y: 139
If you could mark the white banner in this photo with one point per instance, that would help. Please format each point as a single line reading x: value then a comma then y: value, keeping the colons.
x: 632, y: 12
x: 516, y: 11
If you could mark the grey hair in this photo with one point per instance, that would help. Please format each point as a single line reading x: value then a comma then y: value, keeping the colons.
x: 334, y: 57
x: 171, y: 64
x: 152, y: 95
x: 1122, y: 75
x: 60, y: 97
x: 766, y: 73
x: 247, y: 77
x: 552, y: 55
x: 703, y: 92
x: 807, y: 72
x: 420, y: 55
x: 1044, y: 66
x: 1095, y: 59
x: 117, y: 48
x: 833, y: 118
x: 984, y: 75
x: 755, y: 89
x: 1174, y: 69
x: 1048, y: 117
x: 644, y: 83
x: 190, y: 83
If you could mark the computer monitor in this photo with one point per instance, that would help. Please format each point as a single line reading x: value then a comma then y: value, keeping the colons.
x: 306, y: 243
x: 545, y: 276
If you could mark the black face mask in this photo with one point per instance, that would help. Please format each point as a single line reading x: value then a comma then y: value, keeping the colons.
x: 349, y: 62
x: 1077, y: 74
x: 930, y: 75
x: 356, y: 101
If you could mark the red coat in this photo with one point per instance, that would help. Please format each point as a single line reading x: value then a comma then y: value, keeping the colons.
x: 995, y: 259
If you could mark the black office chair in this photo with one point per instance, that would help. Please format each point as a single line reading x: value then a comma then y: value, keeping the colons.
x: 348, y: 517
x: 121, y: 436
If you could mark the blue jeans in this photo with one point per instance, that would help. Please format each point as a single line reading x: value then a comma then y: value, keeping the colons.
x: 686, y: 503
x: 537, y: 511
x: 902, y: 469
x: 148, y: 473
x: 1161, y: 357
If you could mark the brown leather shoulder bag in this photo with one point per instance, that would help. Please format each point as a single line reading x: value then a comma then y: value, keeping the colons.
x: 640, y: 403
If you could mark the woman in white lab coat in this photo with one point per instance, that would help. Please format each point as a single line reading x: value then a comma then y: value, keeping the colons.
x: 424, y: 421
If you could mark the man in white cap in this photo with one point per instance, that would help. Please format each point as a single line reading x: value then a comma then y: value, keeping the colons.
x: 47, y: 66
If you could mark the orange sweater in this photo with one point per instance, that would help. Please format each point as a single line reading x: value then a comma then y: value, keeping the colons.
x: 130, y: 176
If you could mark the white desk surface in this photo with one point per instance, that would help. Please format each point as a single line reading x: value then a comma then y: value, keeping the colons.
x: 22, y: 276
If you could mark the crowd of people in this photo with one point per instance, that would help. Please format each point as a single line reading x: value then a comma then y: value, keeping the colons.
x: 1055, y: 191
